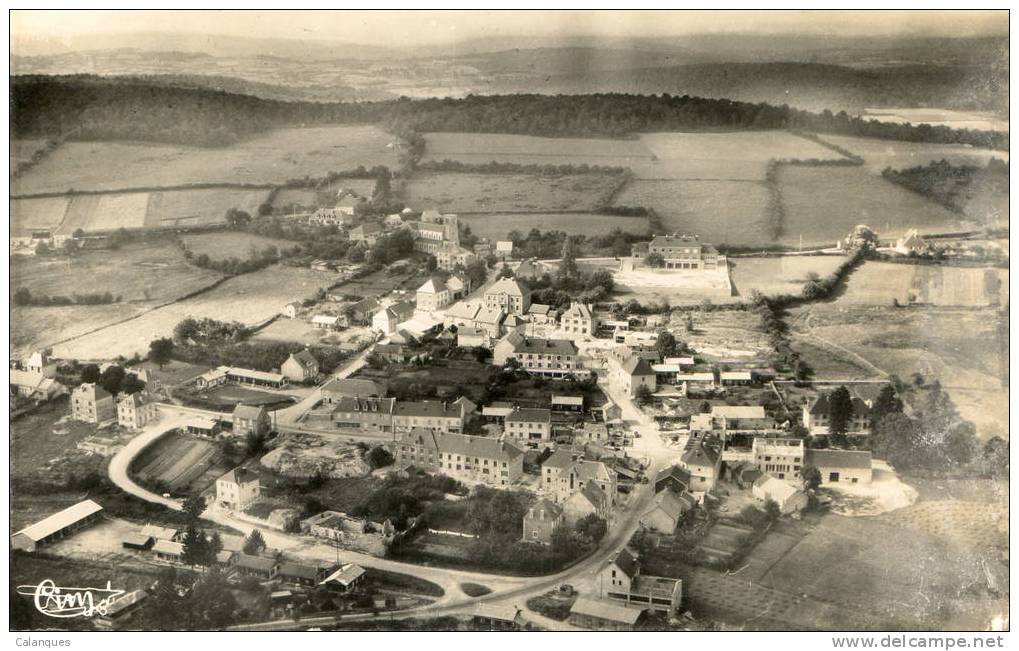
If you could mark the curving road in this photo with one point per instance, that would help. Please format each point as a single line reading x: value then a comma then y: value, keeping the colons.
x: 509, y: 590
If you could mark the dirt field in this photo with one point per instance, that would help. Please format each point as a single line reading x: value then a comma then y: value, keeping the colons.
x: 778, y: 275
x: 33, y: 328
x: 960, y: 348
x: 231, y: 244
x: 739, y: 156
x: 273, y: 157
x: 27, y: 214
x: 493, y: 193
x: 496, y: 227
x: 478, y: 148
x: 824, y: 203
x: 250, y: 298
x: 140, y: 272
x: 720, y: 212
x: 177, y: 462
x: 199, y: 207
x: 879, y: 154
x: 677, y: 287
x: 877, y: 283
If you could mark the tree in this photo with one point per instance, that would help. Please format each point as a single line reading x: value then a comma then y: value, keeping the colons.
x: 568, y: 264
x: 705, y: 407
x: 254, y: 444
x: 811, y: 478
x: 666, y: 344
x: 840, y: 411
x: 193, y: 507
x: 90, y: 373
x: 689, y: 323
x: 254, y: 543
x: 196, y: 547
x: 504, y: 272
x: 654, y: 260
x: 355, y: 254
x: 772, y: 509
x: 160, y: 351
x: 235, y: 217
x: 131, y: 384
x: 643, y: 395
x: 379, y: 457
x: 23, y: 296
x: 887, y: 402
x: 592, y: 527
x: 111, y: 378
x: 802, y: 371
x: 211, y: 604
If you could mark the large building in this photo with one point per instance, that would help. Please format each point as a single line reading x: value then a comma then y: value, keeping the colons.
x: 493, y: 461
x: 434, y: 415
x: 579, y: 319
x: 842, y: 466
x: 548, y: 357
x: 237, y: 489
x: 364, y: 414
x: 620, y: 580
x: 57, y: 526
x: 782, y: 458
x: 251, y: 419
x: 300, y: 366
x: 531, y: 427
x: 630, y: 371
x: 817, y: 415
x: 541, y: 521
x: 451, y: 257
x: 433, y: 295
x: 704, y: 462
x: 92, y: 404
x: 136, y: 410
x: 509, y: 296
x: 683, y: 252
x: 563, y: 473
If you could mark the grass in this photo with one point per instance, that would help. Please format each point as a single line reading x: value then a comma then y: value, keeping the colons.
x: 251, y: 299
x: 443, y: 377
x: 199, y: 207
x: 480, y: 148
x: 847, y: 196
x: 475, y: 589
x: 497, y: 226
x: 46, y: 213
x: 230, y: 244
x: 878, y: 283
x: 879, y: 154
x: 34, y: 328
x: 270, y: 158
x: 404, y: 583
x: 43, y: 435
x: 226, y: 397
x: 380, y: 283
x: 778, y: 275
x: 492, y: 193
x: 138, y: 272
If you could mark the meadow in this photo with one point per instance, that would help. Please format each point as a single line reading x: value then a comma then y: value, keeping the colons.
x: 23, y: 150
x: 493, y: 193
x: 271, y: 158
x: 28, y: 214
x: 824, y: 203
x: 223, y: 245
x: 879, y: 283
x: 897, y: 154
x: 199, y: 207
x: 720, y: 212
x: 497, y: 226
x: 778, y: 275
x: 479, y: 148
x: 325, y: 196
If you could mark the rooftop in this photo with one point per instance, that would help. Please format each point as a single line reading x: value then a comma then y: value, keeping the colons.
x: 605, y: 610
x: 60, y: 520
x: 839, y: 458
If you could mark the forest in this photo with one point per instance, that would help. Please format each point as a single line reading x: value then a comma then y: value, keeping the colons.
x: 84, y: 107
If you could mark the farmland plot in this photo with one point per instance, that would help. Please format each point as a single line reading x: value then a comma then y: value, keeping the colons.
x: 45, y: 213
x: 105, y: 212
x: 778, y: 275
x: 199, y: 207
x: 720, y: 212
x: 491, y: 193
x: 879, y: 154
x: 480, y: 148
x: 175, y: 461
x: 824, y: 203
x: 495, y: 227
x: 22, y: 151
x: 877, y: 283
x: 230, y: 244
x: 271, y: 158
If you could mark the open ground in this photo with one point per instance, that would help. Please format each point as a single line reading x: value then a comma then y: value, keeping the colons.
x: 496, y: 227
x: 491, y: 193
x: 230, y: 244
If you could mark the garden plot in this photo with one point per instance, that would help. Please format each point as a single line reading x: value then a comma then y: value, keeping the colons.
x: 175, y: 461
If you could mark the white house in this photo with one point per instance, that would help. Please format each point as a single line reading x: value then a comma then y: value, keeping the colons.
x: 237, y: 489
x: 788, y: 497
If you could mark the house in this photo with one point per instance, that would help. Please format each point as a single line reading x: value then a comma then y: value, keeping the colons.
x: 787, y: 496
x: 338, y: 388
x: 237, y: 489
x: 531, y: 270
x: 462, y: 314
x: 325, y: 321
x: 346, y: 578
x: 704, y: 462
x: 579, y: 319
x: 508, y: 295
x: 503, y: 249
x: 496, y: 617
x: 540, y: 314
x: 490, y: 321
x: 733, y: 419
x: 387, y: 319
x: 368, y: 232
x: 781, y: 457
x: 39, y: 362
x: 842, y: 466
x: 202, y: 426
x: 600, y: 615
x: 434, y: 415
x: 300, y: 366
x: 471, y: 337
x: 574, y: 404
x: 683, y: 252
x: 562, y: 474
x: 912, y: 244
x: 35, y: 385
x: 92, y: 404
x: 514, y: 323
x: 621, y: 580
x: 362, y: 311
x: 395, y: 353
x: 817, y: 415
x: 546, y: 357
x: 300, y: 574
x: 541, y: 521
x: 735, y: 378
x: 459, y: 286
x: 450, y: 257
x: 589, y: 500
x: 260, y: 567
x: 666, y: 511
x: 433, y: 295
x: 493, y: 461
x: 674, y: 478
x: 251, y: 419
x: 530, y: 426
x: 167, y: 550
x: 136, y: 410
x: 57, y: 526
x: 743, y: 473
x: 291, y: 309
x: 364, y: 414
x: 631, y: 372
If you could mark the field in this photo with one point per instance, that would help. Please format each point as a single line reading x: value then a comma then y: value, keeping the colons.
x: 297, y: 330
x: 879, y: 154
x: 33, y: 328
x: 23, y: 150
x: 250, y: 298
x: 492, y: 193
x: 43, y: 435
x: 479, y: 148
x: 27, y: 214
x: 138, y: 272
x: 231, y: 244
x: 226, y: 397
x: 176, y: 462
x: 720, y: 212
x: 980, y: 120
x: 380, y: 283
x: 496, y: 227
x: 879, y: 283
x: 960, y: 348
x: 824, y: 203
x: 676, y: 287
x: 275, y: 157
x: 199, y: 207
x: 780, y: 274
x: 737, y: 156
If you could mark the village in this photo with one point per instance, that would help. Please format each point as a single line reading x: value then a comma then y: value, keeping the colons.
x: 624, y: 453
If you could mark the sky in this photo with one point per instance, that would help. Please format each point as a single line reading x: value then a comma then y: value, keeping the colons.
x: 441, y: 27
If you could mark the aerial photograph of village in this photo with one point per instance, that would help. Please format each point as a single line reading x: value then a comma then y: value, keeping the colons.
x: 477, y: 320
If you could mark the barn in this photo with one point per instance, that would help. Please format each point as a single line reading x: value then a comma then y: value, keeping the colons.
x: 57, y: 526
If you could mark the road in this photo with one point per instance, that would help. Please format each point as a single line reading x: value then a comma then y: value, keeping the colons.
x: 509, y: 590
